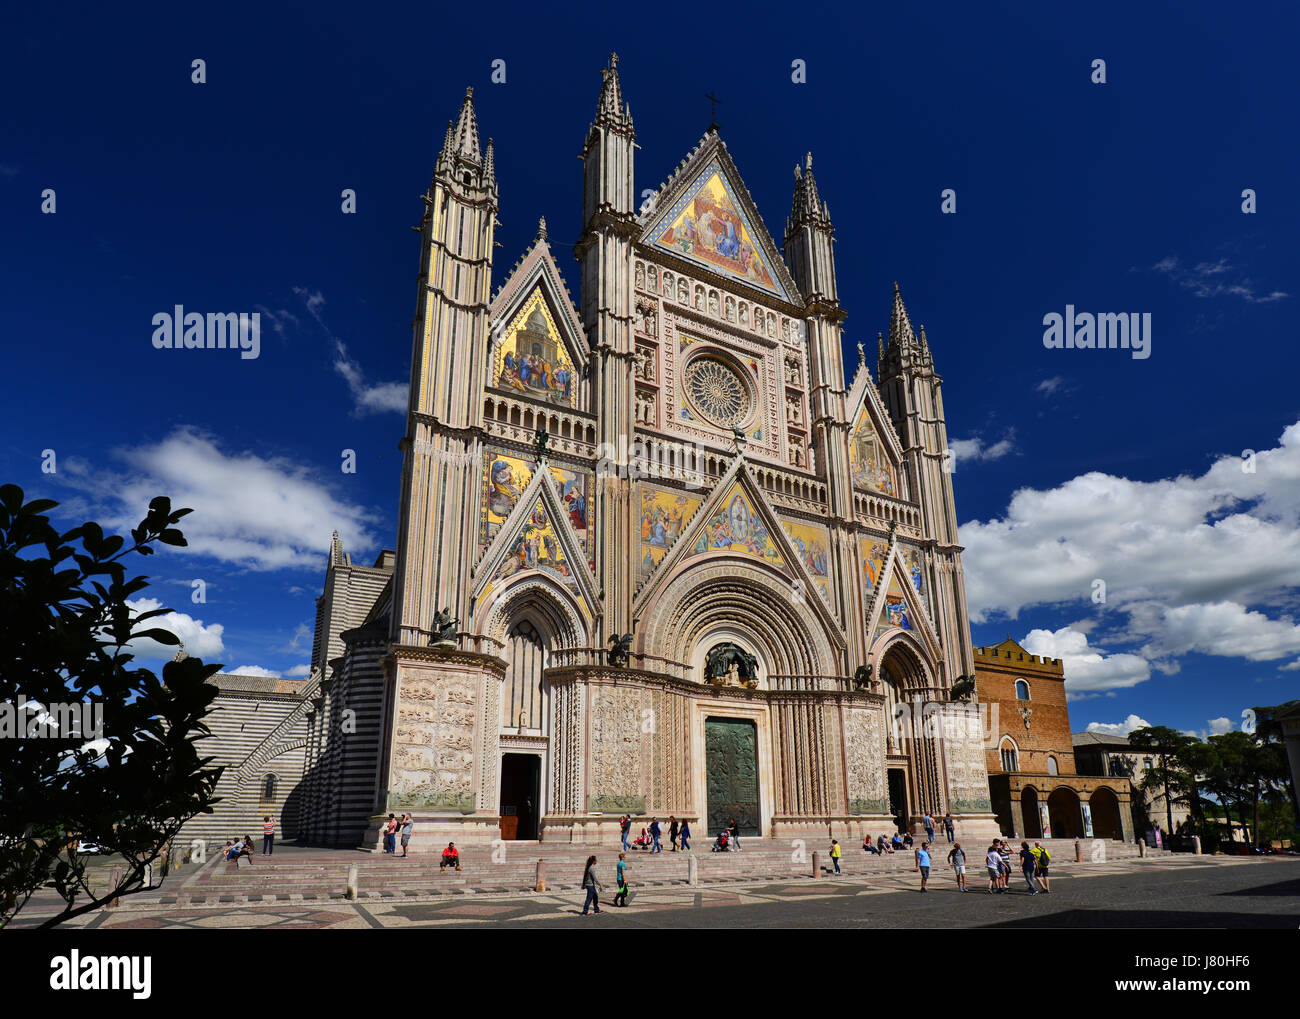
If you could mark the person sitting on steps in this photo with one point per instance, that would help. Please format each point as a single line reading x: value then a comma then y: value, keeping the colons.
x: 450, y: 857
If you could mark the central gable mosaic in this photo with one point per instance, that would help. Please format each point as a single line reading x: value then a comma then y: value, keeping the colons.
x: 705, y: 226
x: 531, y: 359
x: 737, y: 527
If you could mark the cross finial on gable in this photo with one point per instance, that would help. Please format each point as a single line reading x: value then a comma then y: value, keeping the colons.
x: 713, y: 110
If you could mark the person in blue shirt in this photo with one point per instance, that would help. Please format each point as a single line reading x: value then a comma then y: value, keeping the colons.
x: 621, y: 881
x: 923, y: 863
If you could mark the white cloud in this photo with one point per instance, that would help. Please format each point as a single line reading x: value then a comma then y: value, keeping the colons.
x: 1088, y: 669
x: 263, y: 513
x: 1214, y: 279
x: 1225, y: 536
x: 1218, y: 726
x: 1119, y: 728
x: 369, y: 398
x: 1225, y: 628
x: 201, y: 640
x: 975, y: 449
x: 299, y: 670
x: 1049, y: 386
x: 252, y: 670
x: 1292, y: 667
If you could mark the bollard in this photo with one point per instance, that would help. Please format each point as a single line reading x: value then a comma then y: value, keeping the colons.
x: 352, y: 882
x: 114, y: 882
x: 817, y: 865
x: 692, y: 870
x: 1078, y: 851
x: 1196, y: 845
x: 540, y: 884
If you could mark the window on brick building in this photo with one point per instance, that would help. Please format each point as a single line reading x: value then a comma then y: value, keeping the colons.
x: 1022, y: 690
x: 1010, y: 756
x: 1052, y: 768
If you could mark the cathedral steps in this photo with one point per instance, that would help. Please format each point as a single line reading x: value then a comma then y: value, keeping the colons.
x: 318, y: 874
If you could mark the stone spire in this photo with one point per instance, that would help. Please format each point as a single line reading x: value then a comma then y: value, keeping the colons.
x: 905, y: 348
x: 900, y: 326
x: 807, y: 206
x: 612, y: 109
x: 467, y: 129
x: 489, y: 166
x: 541, y: 229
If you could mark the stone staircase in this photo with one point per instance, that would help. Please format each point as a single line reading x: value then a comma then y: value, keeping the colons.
x: 316, y: 875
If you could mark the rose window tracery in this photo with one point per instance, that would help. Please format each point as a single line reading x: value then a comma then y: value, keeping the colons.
x: 717, y: 391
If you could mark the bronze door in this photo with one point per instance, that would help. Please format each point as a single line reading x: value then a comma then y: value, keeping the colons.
x: 731, y: 763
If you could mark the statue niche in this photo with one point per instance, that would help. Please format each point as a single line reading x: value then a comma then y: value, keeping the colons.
x: 729, y: 664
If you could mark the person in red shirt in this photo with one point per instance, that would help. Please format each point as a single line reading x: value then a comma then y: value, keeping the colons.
x: 450, y: 857
x: 268, y: 836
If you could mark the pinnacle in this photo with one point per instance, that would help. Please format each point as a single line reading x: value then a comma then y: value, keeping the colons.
x: 611, y: 105
x: 807, y: 205
x: 900, y: 326
x: 467, y: 129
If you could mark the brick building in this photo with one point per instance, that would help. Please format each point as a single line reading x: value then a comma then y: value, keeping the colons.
x: 1034, y: 785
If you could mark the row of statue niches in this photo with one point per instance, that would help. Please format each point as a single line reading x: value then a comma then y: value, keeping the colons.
x: 711, y: 303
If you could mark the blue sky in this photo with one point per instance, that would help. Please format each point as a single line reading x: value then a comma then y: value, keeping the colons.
x: 1074, y: 465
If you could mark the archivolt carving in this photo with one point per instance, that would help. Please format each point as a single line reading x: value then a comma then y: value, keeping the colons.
x: 740, y: 598
x: 538, y: 597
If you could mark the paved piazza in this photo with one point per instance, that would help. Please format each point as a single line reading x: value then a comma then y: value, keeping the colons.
x: 1183, y: 892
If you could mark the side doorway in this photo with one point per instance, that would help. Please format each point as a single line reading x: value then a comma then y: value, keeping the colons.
x: 521, y: 789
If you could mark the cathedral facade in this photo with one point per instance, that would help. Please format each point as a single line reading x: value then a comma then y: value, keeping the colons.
x: 657, y: 554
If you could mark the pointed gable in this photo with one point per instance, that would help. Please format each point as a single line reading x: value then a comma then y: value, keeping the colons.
x: 736, y: 526
x: 894, y: 600
x: 706, y: 216
x: 536, y: 538
x: 875, y: 454
x: 539, y: 348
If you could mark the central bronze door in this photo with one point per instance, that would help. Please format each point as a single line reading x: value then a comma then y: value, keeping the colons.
x: 731, y: 762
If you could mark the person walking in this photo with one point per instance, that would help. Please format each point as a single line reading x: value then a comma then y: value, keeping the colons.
x: 836, y: 853
x: 672, y: 832
x: 625, y: 826
x: 685, y: 835
x: 734, y: 836
x: 1027, y: 866
x: 1004, y: 854
x: 621, y: 881
x: 929, y: 828
x: 1044, y: 859
x: 947, y: 825
x: 923, y: 863
x: 957, y: 857
x: 268, y: 836
x: 655, y: 832
x: 993, y: 861
x: 408, y: 826
x: 592, y: 885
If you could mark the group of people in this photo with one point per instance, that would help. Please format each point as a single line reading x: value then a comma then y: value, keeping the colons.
x: 650, y: 839
x: 1034, y: 866
x: 391, y: 829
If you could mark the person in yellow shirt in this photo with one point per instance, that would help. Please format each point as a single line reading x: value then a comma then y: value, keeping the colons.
x: 836, y: 853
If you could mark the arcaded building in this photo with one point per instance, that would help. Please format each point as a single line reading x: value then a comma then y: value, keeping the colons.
x: 1036, y: 789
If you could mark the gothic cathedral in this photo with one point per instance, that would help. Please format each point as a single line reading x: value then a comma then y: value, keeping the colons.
x: 656, y: 554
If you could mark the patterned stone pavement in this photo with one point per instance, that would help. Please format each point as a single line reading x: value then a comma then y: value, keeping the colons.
x: 1184, y: 891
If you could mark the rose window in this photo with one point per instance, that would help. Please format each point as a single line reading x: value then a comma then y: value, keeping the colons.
x: 717, y: 390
